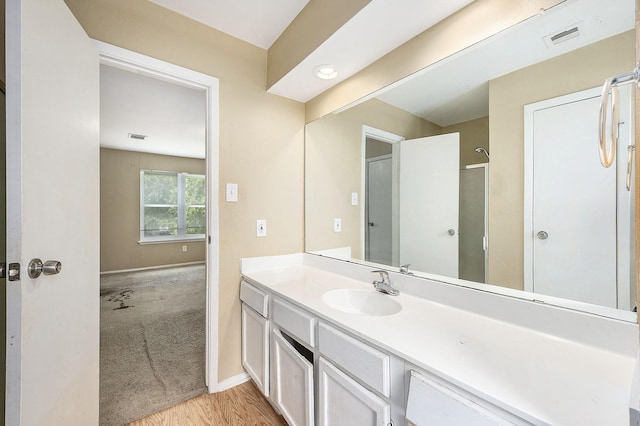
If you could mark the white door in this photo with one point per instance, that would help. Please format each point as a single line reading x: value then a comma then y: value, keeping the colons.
x: 429, y: 203
x: 379, y: 242
x: 52, y: 214
x: 573, y: 206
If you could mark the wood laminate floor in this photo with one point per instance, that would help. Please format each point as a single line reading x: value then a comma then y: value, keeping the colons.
x: 241, y: 405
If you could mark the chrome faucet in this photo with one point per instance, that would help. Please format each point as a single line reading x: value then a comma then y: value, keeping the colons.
x: 384, y: 284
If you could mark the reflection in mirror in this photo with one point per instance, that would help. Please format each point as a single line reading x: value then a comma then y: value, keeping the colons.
x: 483, y: 167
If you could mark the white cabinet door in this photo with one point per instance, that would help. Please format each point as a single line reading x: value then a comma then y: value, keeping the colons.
x: 343, y: 401
x: 292, y: 382
x: 255, y: 347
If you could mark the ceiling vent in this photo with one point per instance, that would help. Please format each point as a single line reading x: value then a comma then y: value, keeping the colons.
x: 137, y: 136
x: 557, y: 37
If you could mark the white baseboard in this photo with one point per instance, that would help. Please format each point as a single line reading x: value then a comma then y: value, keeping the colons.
x: 149, y: 268
x: 230, y: 383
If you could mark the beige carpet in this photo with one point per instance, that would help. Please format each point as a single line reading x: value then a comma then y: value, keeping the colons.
x: 152, y: 341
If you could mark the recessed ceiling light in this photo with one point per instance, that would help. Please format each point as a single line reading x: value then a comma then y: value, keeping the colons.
x: 325, y: 72
x: 137, y: 136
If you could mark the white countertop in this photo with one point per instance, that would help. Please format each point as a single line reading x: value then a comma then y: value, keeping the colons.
x: 541, y: 377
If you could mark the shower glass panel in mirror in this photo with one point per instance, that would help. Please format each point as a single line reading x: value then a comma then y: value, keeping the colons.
x: 482, y: 169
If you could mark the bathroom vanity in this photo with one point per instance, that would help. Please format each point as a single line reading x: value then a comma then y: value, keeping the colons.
x: 325, y: 348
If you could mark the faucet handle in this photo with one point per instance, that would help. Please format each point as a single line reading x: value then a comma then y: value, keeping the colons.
x: 384, y: 275
x: 404, y: 269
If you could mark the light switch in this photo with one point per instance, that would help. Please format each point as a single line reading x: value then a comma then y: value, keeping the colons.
x: 354, y: 198
x: 337, y: 224
x: 232, y: 193
x: 261, y: 228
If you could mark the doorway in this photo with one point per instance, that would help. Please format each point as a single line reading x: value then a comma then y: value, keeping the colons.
x: 181, y: 218
x: 379, y: 213
x: 472, y: 248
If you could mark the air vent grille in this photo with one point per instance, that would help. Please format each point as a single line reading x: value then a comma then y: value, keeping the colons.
x: 137, y: 136
x: 565, y: 34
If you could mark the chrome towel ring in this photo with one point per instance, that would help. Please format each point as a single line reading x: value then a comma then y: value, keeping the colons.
x: 607, y: 156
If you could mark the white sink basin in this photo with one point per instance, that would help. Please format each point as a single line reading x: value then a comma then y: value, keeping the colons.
x: 364, y: 302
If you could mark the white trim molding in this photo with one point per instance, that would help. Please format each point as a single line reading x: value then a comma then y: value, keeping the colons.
x: 229, y: 383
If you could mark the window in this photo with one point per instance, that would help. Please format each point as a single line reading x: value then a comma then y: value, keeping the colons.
x: 172, y: 206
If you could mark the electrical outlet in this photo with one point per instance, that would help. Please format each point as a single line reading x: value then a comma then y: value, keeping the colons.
x: 261, y: 228
x: 337, y: 224
x: 184, y: 248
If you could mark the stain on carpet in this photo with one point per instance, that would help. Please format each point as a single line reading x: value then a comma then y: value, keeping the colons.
x: 121, y: 298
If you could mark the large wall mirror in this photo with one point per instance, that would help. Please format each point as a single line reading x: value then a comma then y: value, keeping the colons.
x: 483, y: 170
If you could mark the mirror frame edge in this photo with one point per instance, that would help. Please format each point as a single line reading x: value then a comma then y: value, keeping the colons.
x: 637, y: 158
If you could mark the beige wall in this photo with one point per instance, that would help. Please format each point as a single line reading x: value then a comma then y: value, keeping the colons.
x: 581, y: 69
x: 120, y: 211
x: 333, y: 169
x: 261, y: 139
x: 473, y: 133
x: 376, y: 148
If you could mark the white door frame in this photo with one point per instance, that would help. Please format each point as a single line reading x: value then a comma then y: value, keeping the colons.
x: 135, y: 62
x: 393, y: 139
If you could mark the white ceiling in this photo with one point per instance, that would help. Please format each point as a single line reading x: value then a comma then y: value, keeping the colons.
x: 172, y: 116
x: 456, y: 89
x: 258, y: 22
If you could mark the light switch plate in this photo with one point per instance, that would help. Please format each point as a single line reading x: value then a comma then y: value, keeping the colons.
x: 354, y: 198
x: 337, y: 224
x: 232, y: 193
x: 261, y: 228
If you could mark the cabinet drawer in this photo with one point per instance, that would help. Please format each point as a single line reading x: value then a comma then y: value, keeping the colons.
x: 432, y: 400
x: 367, y: 364
x: 254, y: 297
x: 296, y: 322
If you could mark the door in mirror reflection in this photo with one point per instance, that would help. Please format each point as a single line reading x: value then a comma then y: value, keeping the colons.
x: 580, y: 210
x: 429, y: 202
x: 378, y: 224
